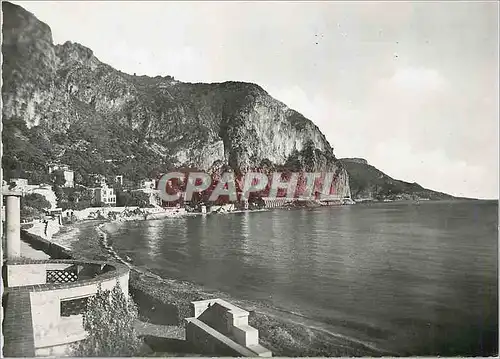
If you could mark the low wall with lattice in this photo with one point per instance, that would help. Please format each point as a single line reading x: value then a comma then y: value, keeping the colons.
x: 57, y: 292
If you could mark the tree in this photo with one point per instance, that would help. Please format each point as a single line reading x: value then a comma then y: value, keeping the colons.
x: 58, y: 178
x: 123, y: 199
x: 109, y: 321
x: 140, y: 199
x: 134, y: 198
x: 36, y: 201
x: 67, y: 205
x: 38, y: 177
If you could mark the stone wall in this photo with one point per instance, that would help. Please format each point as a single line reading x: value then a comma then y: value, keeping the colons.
x: 49, y: 327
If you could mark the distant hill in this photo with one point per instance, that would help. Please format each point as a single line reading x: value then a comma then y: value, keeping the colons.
x: 369, y: 183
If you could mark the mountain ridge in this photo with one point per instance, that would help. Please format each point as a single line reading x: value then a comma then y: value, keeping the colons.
x: 82, y: 112
x: 367, y: 183
x: 62, y: 104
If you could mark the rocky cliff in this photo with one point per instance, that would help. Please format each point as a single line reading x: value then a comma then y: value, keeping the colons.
x: 62, y: 104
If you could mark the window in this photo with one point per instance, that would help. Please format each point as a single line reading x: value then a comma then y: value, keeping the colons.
x: 73, y: 306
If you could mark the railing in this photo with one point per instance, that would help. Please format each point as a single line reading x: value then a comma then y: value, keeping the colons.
x: 38, y: 272
x: 61, y: 276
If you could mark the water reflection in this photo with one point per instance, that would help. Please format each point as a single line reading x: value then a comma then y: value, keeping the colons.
x: 245, y: 235
x: 245, y: 227
x: 182, y: 224
x: 153, y: 238
x: 360, y: 270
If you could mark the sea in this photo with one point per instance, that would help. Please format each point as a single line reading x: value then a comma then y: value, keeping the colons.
x: 409, y: 278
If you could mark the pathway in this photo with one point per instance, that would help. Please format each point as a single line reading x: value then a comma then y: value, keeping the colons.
x: 29, y: 252
x: 160, y: 331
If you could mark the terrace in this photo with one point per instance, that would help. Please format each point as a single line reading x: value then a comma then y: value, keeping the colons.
x: 44, y: 301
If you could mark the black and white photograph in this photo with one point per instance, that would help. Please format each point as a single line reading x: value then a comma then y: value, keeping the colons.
x: 250, y: 178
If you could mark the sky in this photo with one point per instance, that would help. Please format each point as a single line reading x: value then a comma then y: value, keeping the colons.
x: 412, y: 87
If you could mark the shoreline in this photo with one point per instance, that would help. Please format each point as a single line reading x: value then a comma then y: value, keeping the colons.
x: 166, y: 301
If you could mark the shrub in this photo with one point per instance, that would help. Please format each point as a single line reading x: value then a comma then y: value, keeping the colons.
x: 35, y: 200
x: 109, y: 321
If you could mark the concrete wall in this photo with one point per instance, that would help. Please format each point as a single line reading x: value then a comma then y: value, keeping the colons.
x: 228, y: 321
x: 217, y: 317
x: 55, y: 351
x: 49, y: 328
x: 210, y: 342
x: 35, y: 273
x: 84, y: 213
x: 50, y: 248
x: 245, y: 335
x: 31, y: 274
x: 276, y: 202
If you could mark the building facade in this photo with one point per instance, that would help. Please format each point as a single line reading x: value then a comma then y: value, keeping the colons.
x: 104, y: 194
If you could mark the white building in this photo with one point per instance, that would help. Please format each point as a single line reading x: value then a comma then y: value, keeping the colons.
x: 19, y: 184
x: 119, y: 179
x: 69, y: 178
x: 104, y: 194
x: 148, y: 184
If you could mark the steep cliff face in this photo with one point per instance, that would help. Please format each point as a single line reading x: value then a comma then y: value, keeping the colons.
x: 98, y: 119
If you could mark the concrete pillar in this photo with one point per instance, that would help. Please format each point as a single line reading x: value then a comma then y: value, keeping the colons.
x: 13, y: 224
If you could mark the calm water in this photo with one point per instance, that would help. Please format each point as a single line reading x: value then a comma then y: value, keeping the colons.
x: 414, y: 279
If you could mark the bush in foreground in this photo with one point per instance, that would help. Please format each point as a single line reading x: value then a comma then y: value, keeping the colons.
x: 109, y: 321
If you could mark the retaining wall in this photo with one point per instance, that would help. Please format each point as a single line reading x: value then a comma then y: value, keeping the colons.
x: 84, y: 213
x: 46, y: 246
